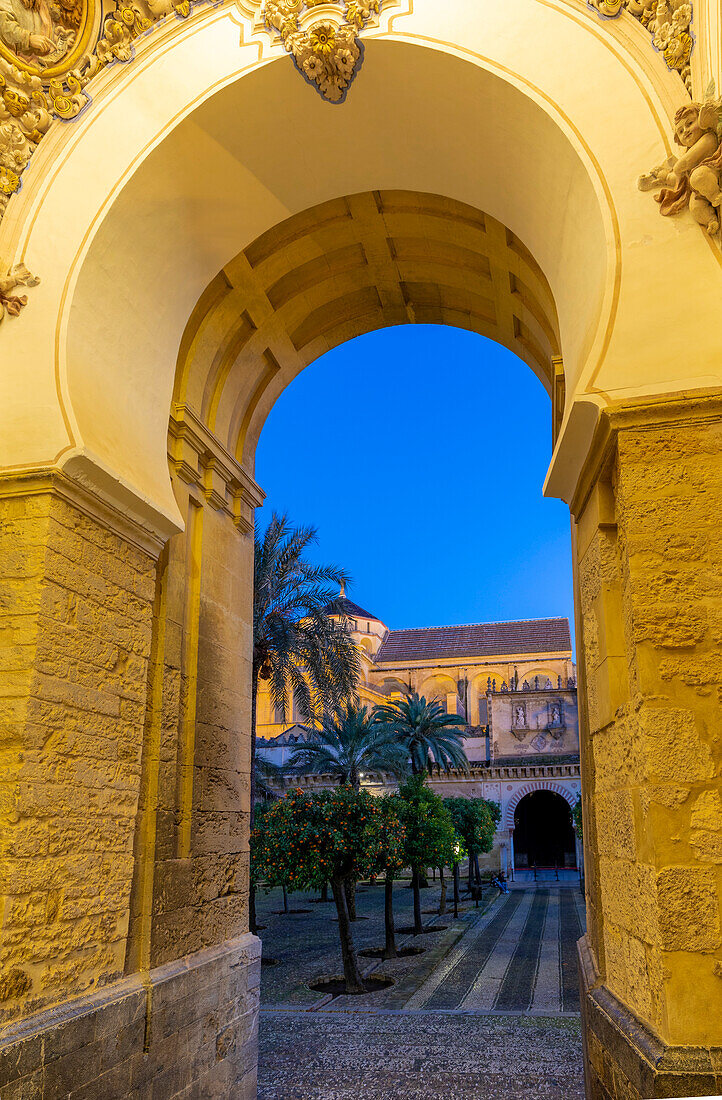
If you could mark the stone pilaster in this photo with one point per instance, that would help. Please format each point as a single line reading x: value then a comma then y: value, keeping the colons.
x: 191, y: 885
x: 649, y: 552
x: 190, y: 889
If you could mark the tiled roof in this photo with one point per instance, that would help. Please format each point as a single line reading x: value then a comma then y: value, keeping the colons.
x: 343, y: 606
x: 475, y: 640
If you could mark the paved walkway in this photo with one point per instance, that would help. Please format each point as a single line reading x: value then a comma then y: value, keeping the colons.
x: 497, y: 1015
x: 520, y: 957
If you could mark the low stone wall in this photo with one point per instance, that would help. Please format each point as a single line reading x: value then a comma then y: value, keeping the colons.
x: 624, y: 1060
x: 189, y: 1030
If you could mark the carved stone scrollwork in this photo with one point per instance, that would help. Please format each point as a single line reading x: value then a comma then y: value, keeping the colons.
x: 669, y: 23
x: 694, y: 178
x: 326, y: 47
x: 49, y: 51
x: 11, y: 304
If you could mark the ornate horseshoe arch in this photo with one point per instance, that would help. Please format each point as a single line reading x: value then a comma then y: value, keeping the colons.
x: 529, y: 788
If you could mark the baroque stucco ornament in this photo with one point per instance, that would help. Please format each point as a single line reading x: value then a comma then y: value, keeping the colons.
x: 49, y: 51
x: 694, y: 178
x: 322, y: 37
x: 11, y: 304
x: 669, y: 23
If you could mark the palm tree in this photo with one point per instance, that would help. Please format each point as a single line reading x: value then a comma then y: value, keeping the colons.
x: 429, y: 734
x: 298, y: 648
x: 348, y: 744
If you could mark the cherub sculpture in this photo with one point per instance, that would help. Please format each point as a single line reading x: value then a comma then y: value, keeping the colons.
x: 11, y: 304
x: 692, y: 179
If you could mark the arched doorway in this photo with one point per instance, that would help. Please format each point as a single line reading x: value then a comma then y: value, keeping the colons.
x: 172, y: 195
x: 543, y: 833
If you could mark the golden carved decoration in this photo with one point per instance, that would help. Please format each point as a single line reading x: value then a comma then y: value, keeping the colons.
x: 325, y: 46
x: 668, y: 21
x: 694, y: 178
x: 49, y: 51
x: 47, y: 38
x: 11, y: 304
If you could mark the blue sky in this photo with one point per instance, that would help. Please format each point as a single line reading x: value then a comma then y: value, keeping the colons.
x: 420, y: 453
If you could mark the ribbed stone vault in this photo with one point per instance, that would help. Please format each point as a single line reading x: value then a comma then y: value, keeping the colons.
x: 345, y: 268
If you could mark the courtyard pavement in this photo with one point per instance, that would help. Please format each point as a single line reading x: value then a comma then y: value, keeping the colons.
x: 490, y: 1009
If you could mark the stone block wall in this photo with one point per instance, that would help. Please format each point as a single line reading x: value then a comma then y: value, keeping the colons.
x: 126, y: 967
x: 649, y: 546
x: 75, y: 632
x: 189, y: 1030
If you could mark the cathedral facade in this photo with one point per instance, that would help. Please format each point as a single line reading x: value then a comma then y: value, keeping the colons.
x: 514, y: 683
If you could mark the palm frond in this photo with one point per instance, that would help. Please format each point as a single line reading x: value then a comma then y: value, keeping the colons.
x: 348, y: 744
x: 297, y: 648
x: 429, y: 733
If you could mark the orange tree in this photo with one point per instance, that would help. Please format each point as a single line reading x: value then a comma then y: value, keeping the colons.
x: 391, y: 860
x: 430, y: 839
x: 258, y: 846
x: 475, y: 820
x: 308, y: 838
x: 577, y: 816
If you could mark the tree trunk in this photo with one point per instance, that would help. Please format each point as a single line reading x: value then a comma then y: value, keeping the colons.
x: 442, y: 900
x: 324, y: 892
x: 349, y: 886
x: 418, y: 926
x: 477, y: 872
x: 351, y: 972
x: 390, y: 948
x: 456, y: 889
x: 285, y: 898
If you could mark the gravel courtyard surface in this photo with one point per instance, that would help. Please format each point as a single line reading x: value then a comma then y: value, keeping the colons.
x: 307, y: 947
x: 489, y: 1009
x: 418, y: 1056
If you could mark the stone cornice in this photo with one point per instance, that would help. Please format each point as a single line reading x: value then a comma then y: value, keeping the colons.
x: 199, y: 459
x: 492, y: 774
x: 90, y: 503
x: 640, y: 414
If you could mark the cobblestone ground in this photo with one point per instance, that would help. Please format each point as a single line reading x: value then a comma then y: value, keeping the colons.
x: 490, y: 1009
x: 418, y: 1056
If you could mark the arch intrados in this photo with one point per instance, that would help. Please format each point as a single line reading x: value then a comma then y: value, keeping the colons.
x: 146, y: 240
x: 435, y: 681
x: 341, y: 270
x: 124, y: 252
